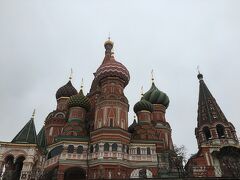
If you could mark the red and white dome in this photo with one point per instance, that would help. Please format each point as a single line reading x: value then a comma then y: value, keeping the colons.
x: 110, y: 67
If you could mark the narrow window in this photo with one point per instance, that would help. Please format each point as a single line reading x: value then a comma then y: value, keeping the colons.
x: 70, y: 149
x: 79, y: 149
x: 106, y: 147
x: 91, y: 149
x: 207, y: 133
x: 220, y: 131
x: 96, y: 148
x: 148, y: 151
x: 138, y: 151
x: 111, y: 122
x: 114, y: 147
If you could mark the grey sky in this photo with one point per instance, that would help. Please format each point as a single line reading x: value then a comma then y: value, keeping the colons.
x: 41, y: 40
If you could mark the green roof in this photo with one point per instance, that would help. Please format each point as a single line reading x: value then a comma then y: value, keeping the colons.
x: 27, y: 135
x: 41, y: 138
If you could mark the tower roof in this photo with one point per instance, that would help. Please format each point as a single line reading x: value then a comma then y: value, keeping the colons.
x: 41, y: 138
x: 208, y: 109
x: 27, y: 135
x: 79, y: 100
x: 155, y: 96
x: 66, y: 91
x: 110, y: 67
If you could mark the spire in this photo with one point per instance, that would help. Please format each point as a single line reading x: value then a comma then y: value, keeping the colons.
x: 108, y: 46
x: 152, y: 76
x: 71, y: 74
x: 208, y: 109
x: 81, y: 88
x: 28, y: 133
x: 41, y: 138
x: 142, y: 91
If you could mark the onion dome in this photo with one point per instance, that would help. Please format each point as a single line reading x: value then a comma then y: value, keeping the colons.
x: 110, y: 67
x: 132, y: 126
x: 66, y: 91
x: 155, y: 96
x: 143, y: 105
x: 79, y: 100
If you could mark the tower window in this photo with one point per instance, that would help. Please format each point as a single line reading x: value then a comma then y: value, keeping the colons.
x: 207, y: 133
x: 114, y: 147
x: 96, y: 148
x: 70, y: 149
x: 138, y: 151
x: 148, y: 151
x: 123, y: 148
x: 111, y: 122
x: 79, y: 149
x: 91, y: 149
x: 106, y: 147
x: 220, y: 131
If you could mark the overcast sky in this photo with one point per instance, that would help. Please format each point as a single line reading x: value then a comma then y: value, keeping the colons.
x: 41, y: 40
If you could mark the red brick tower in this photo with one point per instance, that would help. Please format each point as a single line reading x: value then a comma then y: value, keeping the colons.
x: 216, y: 138
x: 56, y: 120
x: 109, y: 128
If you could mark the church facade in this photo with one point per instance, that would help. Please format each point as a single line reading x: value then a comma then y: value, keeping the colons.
x: 88, y: 136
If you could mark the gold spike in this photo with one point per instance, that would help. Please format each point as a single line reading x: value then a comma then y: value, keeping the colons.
x: 82, y: 84
x: 109, y: 36
x: 71, y: 74
x: 142, y: 91
x: 198, y: 69
x: 152, y: 76
x: 33, y: 114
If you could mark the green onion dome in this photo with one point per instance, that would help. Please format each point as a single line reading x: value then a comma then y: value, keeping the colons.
x: 66, y: 91
x: 132, y: 126
x: 143, y: 105
x: 155, y: 96
x: 79, y: 100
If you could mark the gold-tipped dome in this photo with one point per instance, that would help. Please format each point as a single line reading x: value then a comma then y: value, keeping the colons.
x: 66, y: 91
x: 79, y: 100
x: 110, y: 67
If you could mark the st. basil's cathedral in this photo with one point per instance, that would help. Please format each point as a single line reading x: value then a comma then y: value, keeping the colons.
x: 88, y: 136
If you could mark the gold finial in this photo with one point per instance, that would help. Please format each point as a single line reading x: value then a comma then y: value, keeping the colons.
x: 82, y: 84
x: 33, y: 114
x: 198, y: 69
x: 142, y: 91
x: 109, y: 36
x: 71, y: 73
x: 152, y: 76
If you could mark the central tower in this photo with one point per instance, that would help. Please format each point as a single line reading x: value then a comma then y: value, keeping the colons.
x: 109, y: 126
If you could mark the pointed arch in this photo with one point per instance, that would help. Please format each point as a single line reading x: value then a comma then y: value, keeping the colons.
x: 207, y: 133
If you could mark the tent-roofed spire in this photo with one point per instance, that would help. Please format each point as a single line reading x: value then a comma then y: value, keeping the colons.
x: 41, y: 138
x: 208, y: 109
x: 28, y: 133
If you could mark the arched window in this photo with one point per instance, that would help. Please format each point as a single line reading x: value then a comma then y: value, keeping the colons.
x: 55, y: 151
x: 207, y: 133
x: 96, y: 148
x: 111, y: 122
x: 138, y: 151
x: 106, y: 147
x: 148, y: 151
x: 79, y: 149
x: 91, y: 149
x: 114, y: 147
x: 70, y: 149
x: 123, y: 148
x: 220, y: 131
x: 127, y: 149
